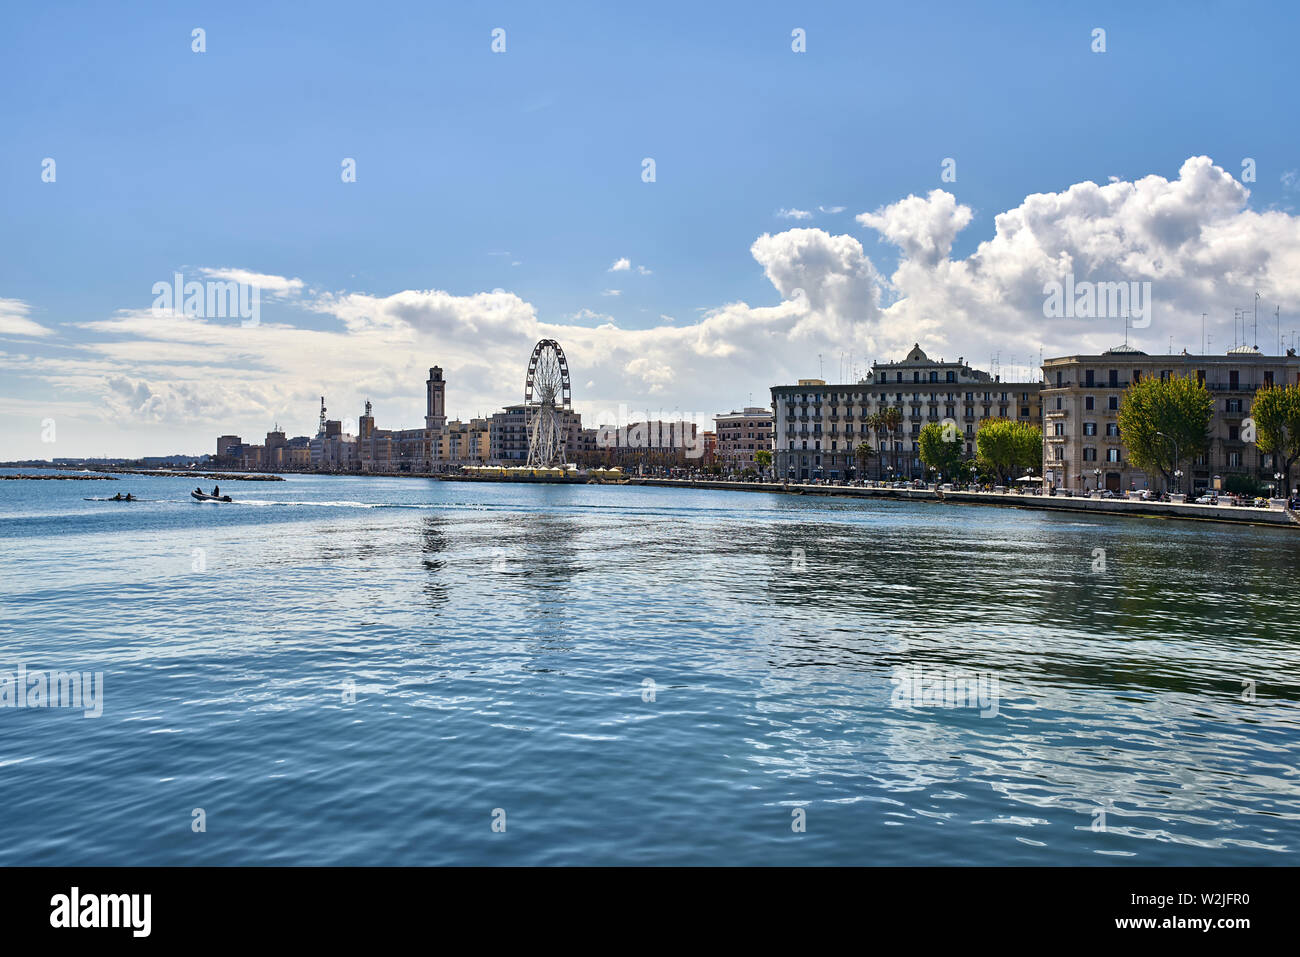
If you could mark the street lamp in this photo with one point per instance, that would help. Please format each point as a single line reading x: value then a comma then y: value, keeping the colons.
x: 1096, y: 482
x: 1177, y: 473
x: 1278, y: 477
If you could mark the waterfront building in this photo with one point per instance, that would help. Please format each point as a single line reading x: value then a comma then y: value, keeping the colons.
x: 740, y: 434
x: 508, y: 435
x: 391, y: 450
x: 331, y: 448
x: 226, y: 446
x: 1081, y: 398
x: 466, y: 443
x: 710, y: 449
x: 819, y: 426
x: 650, y: 444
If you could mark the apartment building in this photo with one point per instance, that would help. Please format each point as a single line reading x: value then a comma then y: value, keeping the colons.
x: 740, y: 435
x: 819, y: 426
x: 1083, y: 447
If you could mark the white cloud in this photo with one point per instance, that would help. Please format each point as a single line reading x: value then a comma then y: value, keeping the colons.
x: 270, y: 285
x: 832, y: 210
x: 923, y: 228
x: 794, y: 214
x: 621, y: 265
x: 644, y: 272
x: 612, y: 292
x: 14, y: 321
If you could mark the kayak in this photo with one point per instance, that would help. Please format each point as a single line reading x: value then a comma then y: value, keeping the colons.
x: 209, y: 498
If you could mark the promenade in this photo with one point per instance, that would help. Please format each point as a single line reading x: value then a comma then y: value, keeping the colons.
x: 1274, y: 516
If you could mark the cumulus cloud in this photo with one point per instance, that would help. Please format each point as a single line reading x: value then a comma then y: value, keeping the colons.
x: 923, y: 228
x: 794, y: 214
x: 1193, y: 237
x: 621, y: 265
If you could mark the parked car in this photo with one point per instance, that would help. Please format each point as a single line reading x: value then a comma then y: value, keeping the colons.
x: 1208, y: 499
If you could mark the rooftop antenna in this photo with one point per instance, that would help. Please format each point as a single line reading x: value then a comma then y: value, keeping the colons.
x: 1202, y: 333
x: 1256, y: 320
x: 820, y: 373
x: 1277, y: 314
x: 322, y: 415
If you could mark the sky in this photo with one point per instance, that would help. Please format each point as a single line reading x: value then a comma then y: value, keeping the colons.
x: 831, y: 183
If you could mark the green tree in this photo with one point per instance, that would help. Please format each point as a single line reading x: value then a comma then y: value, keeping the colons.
x: 1164, y: 421
x: 1276, y: 413
x: 763, y: 459
x: 888, y: 420
x: 940, y: 448
x: 863, y: 454
x: 1006, y: 447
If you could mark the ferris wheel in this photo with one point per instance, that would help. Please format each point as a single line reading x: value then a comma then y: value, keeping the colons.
x: 547, y: 393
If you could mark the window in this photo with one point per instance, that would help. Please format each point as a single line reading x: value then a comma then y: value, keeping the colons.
x: 1089, y: 379
x: 1112, y: 455
x: 952, y: 377
x: 1112, y: 430
x: 1090, y: 428
x: 1089, y: 402
x: 1090, y: 455
x: 1112, y: 403
x: 1058, y: 428
x: 1234, y: 433
x: 1234, y: 460
x: 1234, y: 380
x: 1137, y: 375
x: 1058, y: 378
x: 1112, y: 378
x: 1268, y: 378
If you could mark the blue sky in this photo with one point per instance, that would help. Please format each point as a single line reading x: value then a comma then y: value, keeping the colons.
x: 521, y: 171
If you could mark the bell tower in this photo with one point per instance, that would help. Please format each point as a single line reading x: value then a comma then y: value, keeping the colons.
x: 435, y: 416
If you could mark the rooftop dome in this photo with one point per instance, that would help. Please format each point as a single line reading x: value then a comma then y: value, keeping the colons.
x: 1244, y: 349
x: 1124, y: 349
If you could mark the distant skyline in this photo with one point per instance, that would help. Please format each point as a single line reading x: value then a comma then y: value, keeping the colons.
x: 499, y: 198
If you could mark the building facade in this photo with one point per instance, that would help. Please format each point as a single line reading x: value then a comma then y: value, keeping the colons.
x: 508, y: 435
x: 819, y: 427
x: 740, y: 435
x: 1083, y: 447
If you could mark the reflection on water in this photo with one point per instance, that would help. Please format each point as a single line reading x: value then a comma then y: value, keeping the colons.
x: 500, y: 640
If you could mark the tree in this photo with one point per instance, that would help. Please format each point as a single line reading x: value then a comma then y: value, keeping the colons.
x: 940, y: 449
x: 1006, y: 447
x: 888, y: 419
x: 1164, y: 421
x: 864, y: 453
x: 1276, y: 413
x: 763, y: 459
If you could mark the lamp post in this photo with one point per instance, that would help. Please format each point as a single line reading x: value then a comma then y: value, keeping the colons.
x: 1177, y: 473
x: 1096, y: 482
x: 1278, y: 477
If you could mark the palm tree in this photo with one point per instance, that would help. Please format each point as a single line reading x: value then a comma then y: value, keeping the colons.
x: 889, y: 419
x: 864, y: 453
